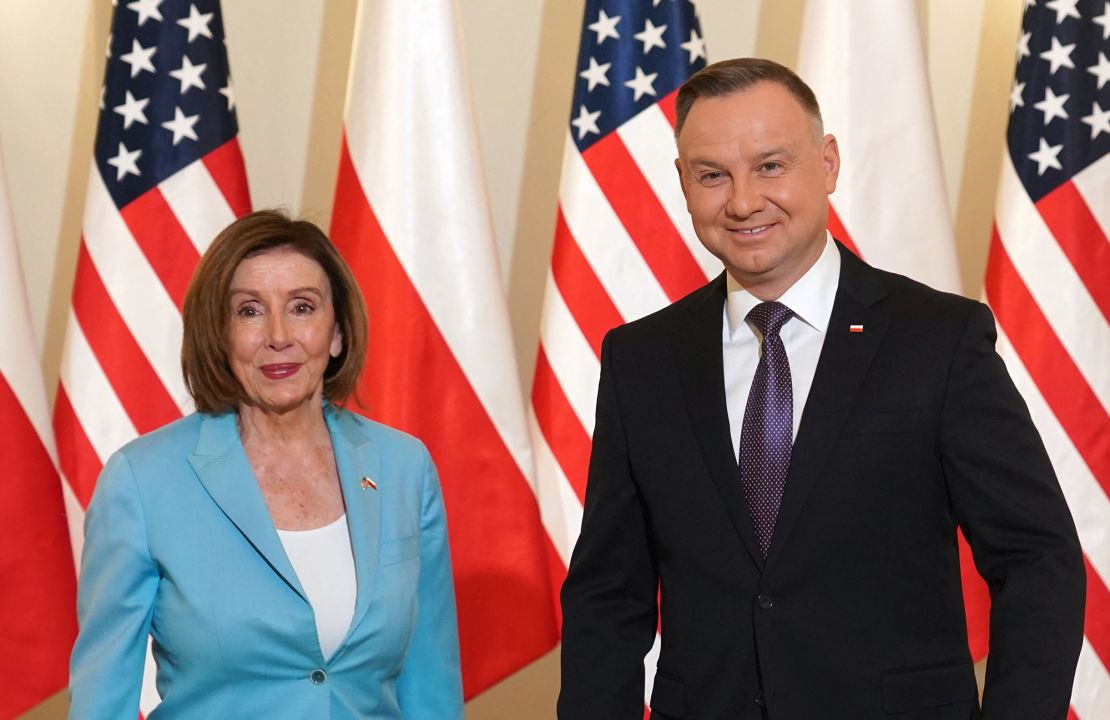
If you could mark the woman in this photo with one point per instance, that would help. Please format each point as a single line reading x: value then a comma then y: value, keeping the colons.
x: 287, y: 558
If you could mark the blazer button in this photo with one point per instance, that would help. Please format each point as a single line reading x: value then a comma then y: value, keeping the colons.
x: 318, y: 677
x: 765, y: 602
x: 759, y: 699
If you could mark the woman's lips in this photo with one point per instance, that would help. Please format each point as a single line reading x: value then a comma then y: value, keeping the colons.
x: 277, y: 371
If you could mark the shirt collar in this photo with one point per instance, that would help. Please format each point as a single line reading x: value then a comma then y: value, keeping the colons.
x: 810, y: 298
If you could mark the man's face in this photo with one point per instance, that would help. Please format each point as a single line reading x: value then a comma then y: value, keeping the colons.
x: 756, y: 179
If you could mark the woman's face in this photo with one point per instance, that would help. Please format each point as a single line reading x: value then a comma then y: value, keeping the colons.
x: 282, y: 330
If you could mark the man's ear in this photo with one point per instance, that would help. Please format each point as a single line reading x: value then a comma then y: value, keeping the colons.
x: 830, y: 159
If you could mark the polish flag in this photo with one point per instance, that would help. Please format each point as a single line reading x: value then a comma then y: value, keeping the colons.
x: 411, y: 218
x: 37, y: 582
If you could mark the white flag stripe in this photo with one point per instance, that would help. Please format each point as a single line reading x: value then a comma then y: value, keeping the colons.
x: 615, y: 259
x: 866, y: 63
x: 651, y: 661
x: 198, y: 203
x: 1053, y: 282
x: 75, y: 519
x: 468, y: 307
x: 571, y: 358
x: 1085, y: 497
x: 560, y: 509
x: 1093, y: 184
x: 148, y: 696
x: 644, y: 136
x: 1091, y: 694
x: 94, y: 402
x: 135, y: 290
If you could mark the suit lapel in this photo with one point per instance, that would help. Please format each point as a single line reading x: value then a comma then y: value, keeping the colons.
x: 844, y: 362
x: 697, y: 347
x: 223, y: 469
x: 357, y: 457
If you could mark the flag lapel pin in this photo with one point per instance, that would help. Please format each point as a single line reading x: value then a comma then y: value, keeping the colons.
x: 368, y: 484
x: 855, y: 328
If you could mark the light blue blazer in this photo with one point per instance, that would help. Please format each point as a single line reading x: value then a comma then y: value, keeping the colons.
x: 180, y: 547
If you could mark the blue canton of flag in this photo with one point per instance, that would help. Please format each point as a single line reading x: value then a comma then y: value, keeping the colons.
x: 632, y: 53
x: 167, y: 99
x: 1060, y: 100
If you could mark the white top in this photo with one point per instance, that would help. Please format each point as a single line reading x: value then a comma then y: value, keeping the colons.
x: 325, y: 566
x: 811, y: 298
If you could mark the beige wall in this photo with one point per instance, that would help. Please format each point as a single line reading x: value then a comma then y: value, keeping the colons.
x: 289, y: 61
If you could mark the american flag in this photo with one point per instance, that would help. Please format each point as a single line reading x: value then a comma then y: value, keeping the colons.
x: 167, y: 176
x: 1048, y: 281
x: 624, y: 245
x: 412, y: 220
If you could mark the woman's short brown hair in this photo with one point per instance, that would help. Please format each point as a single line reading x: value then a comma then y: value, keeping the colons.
x: 207, y: 311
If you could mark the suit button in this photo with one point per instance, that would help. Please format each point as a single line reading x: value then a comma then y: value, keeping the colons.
x: 759, y: 699
x: 765, y: 602
x: 318, y: 677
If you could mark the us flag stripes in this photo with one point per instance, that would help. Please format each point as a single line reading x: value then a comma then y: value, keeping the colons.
x: 624, y: 245
x: 36, y: 561
x: 411, y: 218
x: 1048, y: 281
x: 167, y: 176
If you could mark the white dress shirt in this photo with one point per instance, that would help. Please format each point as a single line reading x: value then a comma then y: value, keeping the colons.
x: 325, y: 565
x: 811, y: 299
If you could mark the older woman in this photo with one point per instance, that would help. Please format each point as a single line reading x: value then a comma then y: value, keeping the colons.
x: 287, y: 557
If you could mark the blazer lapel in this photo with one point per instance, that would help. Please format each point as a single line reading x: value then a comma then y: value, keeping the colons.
x: 223, y: 469
x: 844, y: 362
x: 356, y: 457
x: 697, y: 347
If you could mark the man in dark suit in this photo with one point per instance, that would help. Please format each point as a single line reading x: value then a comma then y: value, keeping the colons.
x: 783, y: 457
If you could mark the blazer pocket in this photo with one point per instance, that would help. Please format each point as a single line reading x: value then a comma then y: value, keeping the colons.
x: 879, y: 423
x: 668, y: 696
x: 928, y: 687
x: 399, y: 550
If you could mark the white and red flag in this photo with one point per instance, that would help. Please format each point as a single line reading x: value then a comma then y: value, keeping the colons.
x: 167, y: 176
x: 624, y: 245
x: 1048, y: 282
x: 38, y: 599
x: 411, y: 218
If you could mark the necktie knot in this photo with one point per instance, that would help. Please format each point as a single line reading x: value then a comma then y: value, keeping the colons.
x: 769, y: 317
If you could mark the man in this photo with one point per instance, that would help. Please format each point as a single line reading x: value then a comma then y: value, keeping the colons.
x: 783, y: 457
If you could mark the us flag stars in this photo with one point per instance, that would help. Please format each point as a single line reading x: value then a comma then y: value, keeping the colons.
x: 169, y: 92
x: 1063, y: 75
x: 633, y: 53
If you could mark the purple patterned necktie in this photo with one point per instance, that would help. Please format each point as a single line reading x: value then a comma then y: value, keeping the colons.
x: 767, y: 433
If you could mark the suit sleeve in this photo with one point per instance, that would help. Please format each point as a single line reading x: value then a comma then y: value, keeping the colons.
x: 430, y: 683
x: 115, y: 600
x: 609, y: 597
x: 1012, y: 511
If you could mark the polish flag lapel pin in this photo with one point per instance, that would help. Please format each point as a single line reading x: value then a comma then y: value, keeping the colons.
x: 855, y: 328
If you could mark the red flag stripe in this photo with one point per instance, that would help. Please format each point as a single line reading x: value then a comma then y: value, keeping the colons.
x: 667, y: 105
x: 163, y: 241
x: 78, y: 460
x: 569, y: 442
x: 225, y: 164
x: 1096, y: 624
x: 1081, y: 238
x: 840, y: 232
x: 492, y: 612
x: 642, y: 215
x: 133, y: 379
x: 583, y: 293
x: 1048, y: 363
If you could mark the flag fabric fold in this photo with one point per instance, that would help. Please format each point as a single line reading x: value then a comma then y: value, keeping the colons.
x: 167, y: 176
x: 1048, y: 282
x: 624, y: 244
x: 411, y: 218
x: 37, y: 604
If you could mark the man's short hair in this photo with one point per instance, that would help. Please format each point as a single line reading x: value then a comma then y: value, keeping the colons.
x: 207, y: 310
x: 732, y: 76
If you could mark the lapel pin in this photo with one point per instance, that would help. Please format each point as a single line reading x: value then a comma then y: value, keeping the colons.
x: 368, y: 484
x: 855, y: 328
